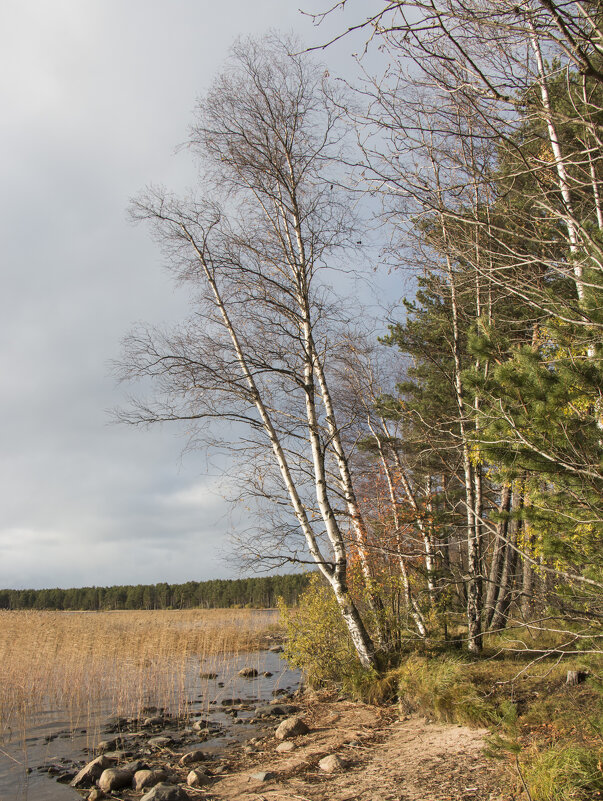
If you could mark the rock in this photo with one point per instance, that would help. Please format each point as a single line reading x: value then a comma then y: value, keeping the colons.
x: 159, y: 742
x: 95, y: 794
x: 156, y: 720
x: 115, y: 779
x: 148, y: 778
x: 107, y: 745
x: 275, y: 710
x: 332, y: 763
x: 197, y: 778
x: 291, y: 727
x: 117, y: 755
x: 263, y: 775
x: 248, y: 672
x: 117, y: 724
x: 92, y: 771
x: 276, y: 649
x: 232, y: 701
x: 285, y: 747
x: 191, y: 757
x: 139, y: 764
x: 165, y: 792
x: 208, y: 675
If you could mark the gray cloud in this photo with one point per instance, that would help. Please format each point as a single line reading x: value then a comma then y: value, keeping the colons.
x: 95, y: 96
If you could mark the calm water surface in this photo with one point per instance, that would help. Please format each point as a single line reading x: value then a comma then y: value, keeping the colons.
x: 55, y: 736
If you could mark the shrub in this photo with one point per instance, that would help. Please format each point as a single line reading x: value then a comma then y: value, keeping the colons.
x: 318, y: 640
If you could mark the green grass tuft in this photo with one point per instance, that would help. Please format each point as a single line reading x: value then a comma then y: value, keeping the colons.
x: 564, y: 772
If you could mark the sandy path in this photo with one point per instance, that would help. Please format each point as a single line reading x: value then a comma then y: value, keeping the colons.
x: 388, y: 760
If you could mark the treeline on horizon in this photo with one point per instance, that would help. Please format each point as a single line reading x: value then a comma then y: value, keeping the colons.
x: 260, y: 592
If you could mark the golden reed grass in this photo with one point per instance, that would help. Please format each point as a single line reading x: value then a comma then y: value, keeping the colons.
x: 118, y: 662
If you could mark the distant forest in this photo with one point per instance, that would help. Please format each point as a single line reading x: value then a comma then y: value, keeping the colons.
x: 257, y: 593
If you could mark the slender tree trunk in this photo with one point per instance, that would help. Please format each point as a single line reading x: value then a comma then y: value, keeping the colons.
x: 507, y: 578
x: 499, y: 549
x: 562, y: 175
x: 411, y: 603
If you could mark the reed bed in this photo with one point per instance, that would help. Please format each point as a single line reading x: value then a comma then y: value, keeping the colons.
x: 118, y: 663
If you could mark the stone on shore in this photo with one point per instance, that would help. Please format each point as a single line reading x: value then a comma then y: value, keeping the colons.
x: 197, y: 778
x: 196, y: 755
x: 95, y: 794
x: 108, y: 745
x: 115, y: 779
x: 92, y: 771
x: 148, y: 778
x: 275, y: 710
x: 165, y: 792
x: 159, y: 742
x: 291, y: 727
x: 138, y: 764
x: 285, y: 747
x: 263, y: 775
x: 332, y: 763
x: 156, y: 720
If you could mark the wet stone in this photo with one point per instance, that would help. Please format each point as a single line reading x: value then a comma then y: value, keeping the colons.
x: 165, y: 792
x: 196, y: 755
x: 159, y: 742
x: 144, y: 779
x: 115, y: 779
x: 92, y: 771
x: 156, y: 720
x: 107, y: 745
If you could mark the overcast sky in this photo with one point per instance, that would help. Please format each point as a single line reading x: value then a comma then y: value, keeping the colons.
x: 96, y: 95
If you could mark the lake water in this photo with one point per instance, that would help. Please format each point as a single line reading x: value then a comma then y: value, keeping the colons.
x: 55, y: 736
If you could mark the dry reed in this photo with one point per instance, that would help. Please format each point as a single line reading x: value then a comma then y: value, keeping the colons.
x: 115, y: 662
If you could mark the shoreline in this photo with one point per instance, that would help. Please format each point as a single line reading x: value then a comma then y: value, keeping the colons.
x: 375, y: 755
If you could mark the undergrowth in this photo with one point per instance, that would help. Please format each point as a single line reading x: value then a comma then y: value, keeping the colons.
x: 549, y: 733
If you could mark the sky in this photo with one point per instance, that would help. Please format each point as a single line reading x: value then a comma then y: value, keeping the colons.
x: 96, y: 95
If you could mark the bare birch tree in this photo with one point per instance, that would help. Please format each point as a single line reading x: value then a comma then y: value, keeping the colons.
x: 253, y: 245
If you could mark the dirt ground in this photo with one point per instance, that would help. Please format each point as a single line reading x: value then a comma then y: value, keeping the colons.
x: 387, y: 759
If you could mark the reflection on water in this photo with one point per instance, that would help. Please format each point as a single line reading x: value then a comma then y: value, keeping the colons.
x: 57, y: 739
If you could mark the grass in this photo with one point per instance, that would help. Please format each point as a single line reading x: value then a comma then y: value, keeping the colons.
x: 120, y: 662
x: 551, y: 734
